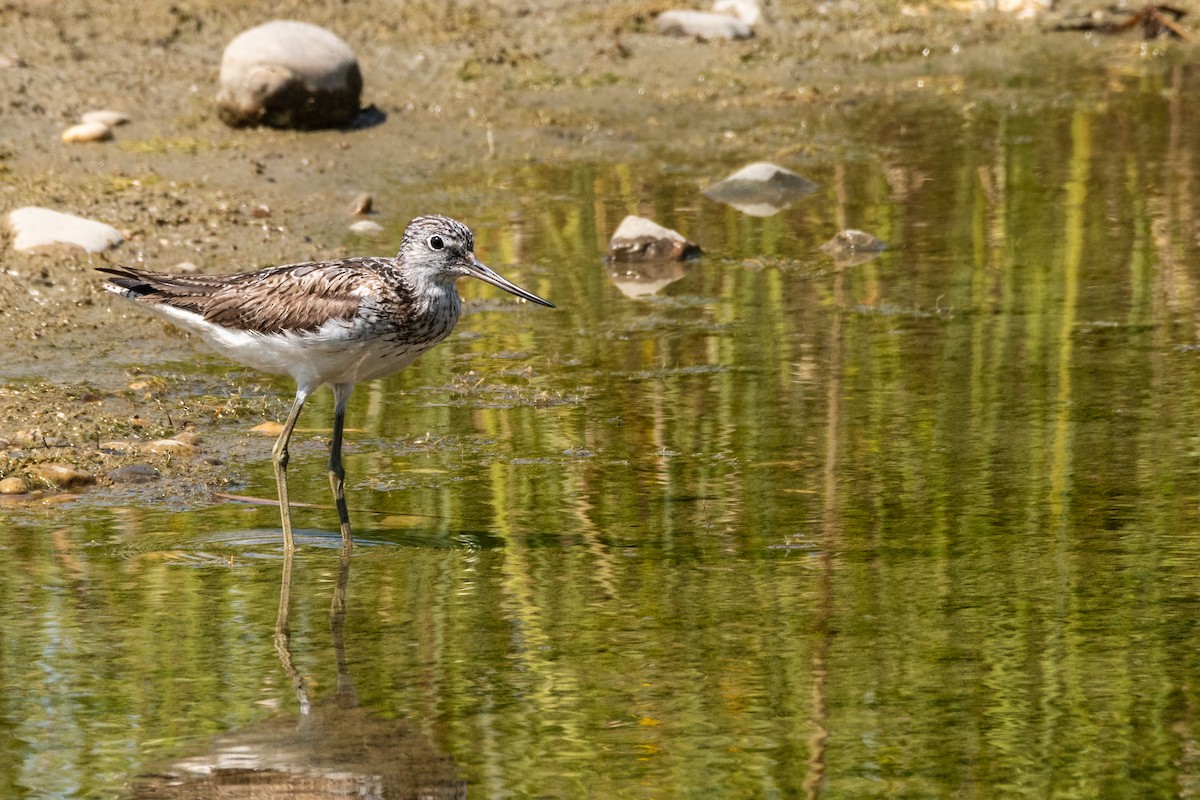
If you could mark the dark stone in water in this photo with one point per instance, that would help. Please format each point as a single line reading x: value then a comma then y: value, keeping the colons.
x: 850, y: 247
x: 639, y: 239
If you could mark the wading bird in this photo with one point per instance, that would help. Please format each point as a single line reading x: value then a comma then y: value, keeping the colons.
x: 336, y: 322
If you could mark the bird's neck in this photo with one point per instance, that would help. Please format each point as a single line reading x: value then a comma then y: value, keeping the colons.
x: 434, y: 293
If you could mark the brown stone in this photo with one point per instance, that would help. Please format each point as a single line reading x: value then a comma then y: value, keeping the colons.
x: 13, y: 485
x: 64, y: 476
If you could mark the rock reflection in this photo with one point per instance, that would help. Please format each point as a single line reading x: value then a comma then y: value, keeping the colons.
x: 760, y: 189
x: 330, y: 748
x: 647, y: 278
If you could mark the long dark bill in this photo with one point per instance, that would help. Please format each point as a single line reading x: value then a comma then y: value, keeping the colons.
x: 488, y: 275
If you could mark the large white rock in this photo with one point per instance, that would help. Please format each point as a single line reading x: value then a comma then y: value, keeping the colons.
x: 289, y: 74
x: 38, y: 229
x: 760, y: 189
x: 703, y: 25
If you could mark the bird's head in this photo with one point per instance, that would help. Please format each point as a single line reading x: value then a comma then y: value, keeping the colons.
x: 442, y: 249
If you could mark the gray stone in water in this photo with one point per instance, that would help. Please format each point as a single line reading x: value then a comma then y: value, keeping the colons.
x: 289, y: 74
x: 760, y: 189
x: 639, y: 239
x: 703, y: 25
x: 852, y: 247
x: 38, y: 229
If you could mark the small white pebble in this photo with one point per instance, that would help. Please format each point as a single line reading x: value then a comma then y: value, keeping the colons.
x: 106, y: 117
x: 87, y: 132
x: 366, y: 227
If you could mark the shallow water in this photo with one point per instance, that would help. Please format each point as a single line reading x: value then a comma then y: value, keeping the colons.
x: 921, y: 526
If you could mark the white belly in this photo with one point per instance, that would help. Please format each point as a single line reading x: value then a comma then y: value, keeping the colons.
x: 335, y: 353
x: 313, y: 360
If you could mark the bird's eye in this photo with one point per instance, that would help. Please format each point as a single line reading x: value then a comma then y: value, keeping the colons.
x: 436, y: 243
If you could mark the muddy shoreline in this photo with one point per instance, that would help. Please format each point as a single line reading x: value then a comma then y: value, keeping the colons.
x: 466, y: 89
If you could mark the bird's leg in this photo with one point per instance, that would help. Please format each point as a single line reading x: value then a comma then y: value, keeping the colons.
x: 283, y: 635
x: 337, y: 629
x: 337, y: 474
x: 279, y: 455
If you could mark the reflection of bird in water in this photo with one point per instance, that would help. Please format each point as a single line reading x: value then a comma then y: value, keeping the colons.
x: 336, y: 322
x: 332, y: 748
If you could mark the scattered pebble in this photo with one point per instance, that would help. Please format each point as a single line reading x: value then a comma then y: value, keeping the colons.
x: 13, y: 485
x: 1021, y: 9
x: 703, y: 25
x: 188, y: 436
x: 38, y: 229
x: 27, y: 437
x: 87, y: 132
x: 173, y: 446
x: 11, y: 62
x: 289, y: 74
x: 760, y: 189
x: 366, y: 227
x: 134, y: 473
x: 362, y: 204
x: 64, y: 476
x: 107, y: 117
x: 640, y: 239
x: 183, y: 443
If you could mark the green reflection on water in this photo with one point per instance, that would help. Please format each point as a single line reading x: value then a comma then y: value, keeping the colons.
x: 923, y: 526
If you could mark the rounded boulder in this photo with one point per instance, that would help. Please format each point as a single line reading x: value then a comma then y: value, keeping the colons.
x: 289, y: 74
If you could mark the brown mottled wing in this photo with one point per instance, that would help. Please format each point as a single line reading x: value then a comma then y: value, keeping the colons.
x: 296, y: 297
